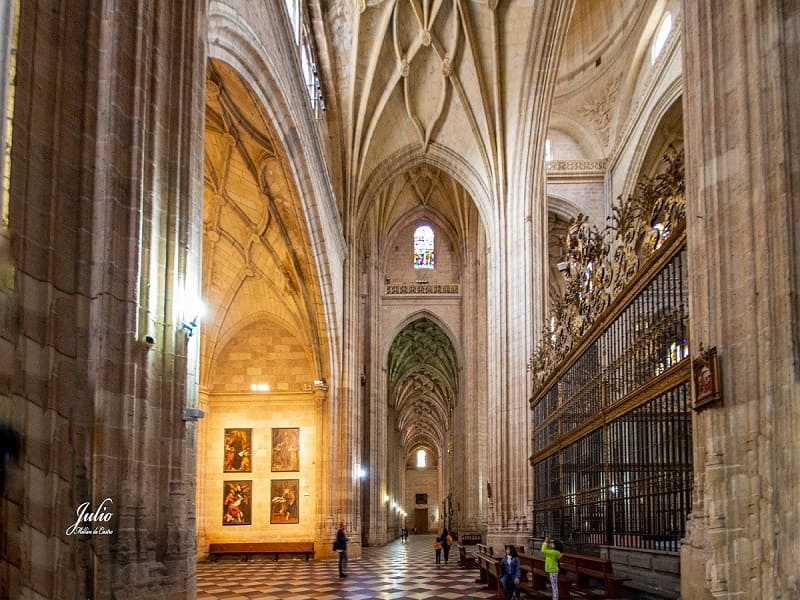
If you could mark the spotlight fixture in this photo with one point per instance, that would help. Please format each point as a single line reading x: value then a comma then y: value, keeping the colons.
x: 190, y: 326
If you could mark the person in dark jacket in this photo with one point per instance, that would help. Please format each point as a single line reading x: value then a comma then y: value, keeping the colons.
x: 341, y: 548
x: 447, y: 540
x: 509, y: 567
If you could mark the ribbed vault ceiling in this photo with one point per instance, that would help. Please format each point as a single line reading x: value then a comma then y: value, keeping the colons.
x: 423, y: 383
x: 457, y: 80
x: 257, y: 263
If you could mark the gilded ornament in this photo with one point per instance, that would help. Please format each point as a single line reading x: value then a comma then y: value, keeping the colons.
x: 601, y: 262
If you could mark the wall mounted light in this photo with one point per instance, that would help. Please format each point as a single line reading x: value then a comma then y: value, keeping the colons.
x: 189, y: 327
x: 192, y: 310
x: 192, y: 414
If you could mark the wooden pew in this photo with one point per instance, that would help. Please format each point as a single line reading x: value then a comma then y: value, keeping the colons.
x: 469, y: 539
x: 577, y: 576
x: 489, y: 566
x: 466, y: 556
x: 535, y: 579
x: 590, y: 569
x: 248, y: 548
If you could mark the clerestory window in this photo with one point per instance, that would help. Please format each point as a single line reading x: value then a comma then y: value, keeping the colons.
x: 423, y: 247
x: 661, y: 37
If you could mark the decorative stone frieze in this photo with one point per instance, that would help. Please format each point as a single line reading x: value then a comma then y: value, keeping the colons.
x: 414, y: 289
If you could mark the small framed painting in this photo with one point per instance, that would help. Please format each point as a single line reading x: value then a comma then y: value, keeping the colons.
x: 237, y: 451
x: 285, y: 504
x: 705, y: 376
x: 237, y: 502
x: 286, y: 449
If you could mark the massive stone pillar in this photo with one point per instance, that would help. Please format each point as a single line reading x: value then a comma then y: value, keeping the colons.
x: 742, y: 179
x: 95, y: 370
x: 517, y: 278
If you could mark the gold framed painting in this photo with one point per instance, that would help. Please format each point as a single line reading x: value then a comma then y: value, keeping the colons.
x: 285, y: 501
x: 237, y: 502
x: 705, y: 377
x: 285, y: 449
x: 238, y: 455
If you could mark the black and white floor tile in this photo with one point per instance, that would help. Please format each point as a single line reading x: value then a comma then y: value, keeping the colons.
x: 393, y: 572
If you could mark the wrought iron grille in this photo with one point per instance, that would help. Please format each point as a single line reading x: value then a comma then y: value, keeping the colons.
x: 612, y: 435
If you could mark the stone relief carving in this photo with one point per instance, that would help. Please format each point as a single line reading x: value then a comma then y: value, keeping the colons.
x: 598, y: 109
x: 557, y: 228
x: 576, y: 165
x: 399, y: 289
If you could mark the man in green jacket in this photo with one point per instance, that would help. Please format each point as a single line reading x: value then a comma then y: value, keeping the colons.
x: 551, y: 558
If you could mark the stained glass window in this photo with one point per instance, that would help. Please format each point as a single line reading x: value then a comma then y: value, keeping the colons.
x: 423, y: 247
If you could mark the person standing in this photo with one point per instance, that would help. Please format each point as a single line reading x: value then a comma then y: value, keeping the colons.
x: 510, y: 569
x: 341, y: 548
x: 447, y: 541
x: 551, y: 558
x: 404, y: 535
x: 437, y: 546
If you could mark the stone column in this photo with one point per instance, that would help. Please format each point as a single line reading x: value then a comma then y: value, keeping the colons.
x: 742, y: 182
x: 105, y: 219
x: 374, y: 407
x: 517, y: 274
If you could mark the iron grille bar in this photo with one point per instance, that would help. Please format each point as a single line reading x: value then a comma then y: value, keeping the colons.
x: 626, y: 482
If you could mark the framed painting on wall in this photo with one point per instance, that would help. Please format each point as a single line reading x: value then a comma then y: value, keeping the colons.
x: 237, y: 451
x: 237, y: 501
x: 705, y: 376
x: 286, y: 449
x: 285, y: 504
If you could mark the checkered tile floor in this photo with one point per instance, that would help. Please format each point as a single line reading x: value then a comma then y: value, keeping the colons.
x: 394, y: 572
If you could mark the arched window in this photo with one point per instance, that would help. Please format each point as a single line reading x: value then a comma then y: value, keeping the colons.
x: 661, y: 37
x: 308, y: 67
x: 423, y: 247
x: 548, y: 151
x: 422, y: 458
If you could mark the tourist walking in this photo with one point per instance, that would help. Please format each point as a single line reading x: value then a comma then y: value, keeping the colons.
x: 447, y: 541
x: 341, y: 547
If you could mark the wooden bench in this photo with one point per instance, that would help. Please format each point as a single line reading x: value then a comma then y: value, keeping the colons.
x: 577, y: 576
x: 535, y: 579
x: 469, y: 539
x: 489, y: 566
x: 590, y: 569
x: 248, y: 548
x: 466, y: 557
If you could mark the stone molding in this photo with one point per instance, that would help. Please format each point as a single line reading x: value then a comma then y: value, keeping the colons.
x: 424, y: 289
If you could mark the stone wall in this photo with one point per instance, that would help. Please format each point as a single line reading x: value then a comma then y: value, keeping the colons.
x: 653, y: 575
x: 742, y: 177
x: 104, y: 218
x: 262, y: 414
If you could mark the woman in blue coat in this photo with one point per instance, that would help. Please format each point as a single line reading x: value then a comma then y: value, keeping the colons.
x: 509, y: 567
